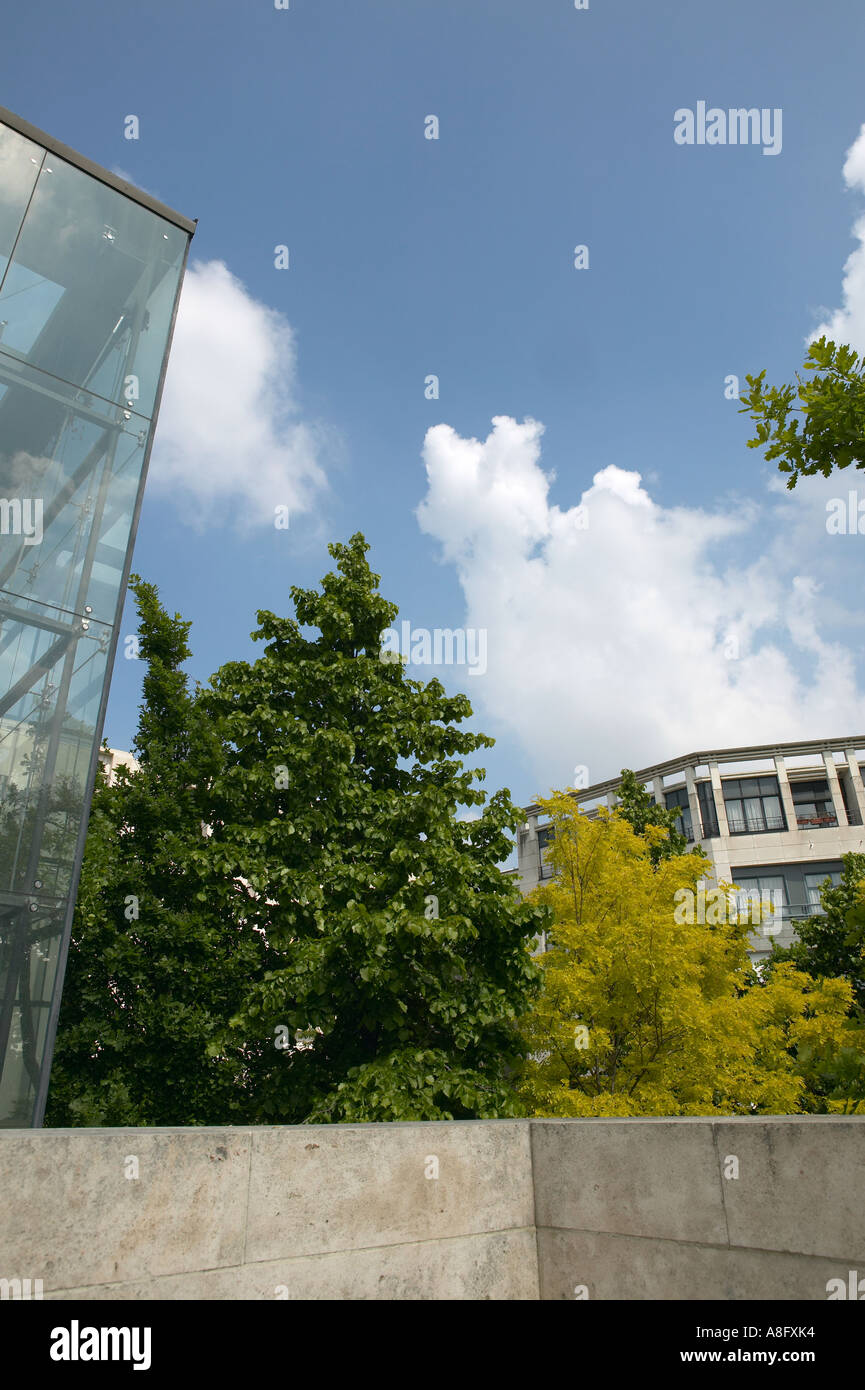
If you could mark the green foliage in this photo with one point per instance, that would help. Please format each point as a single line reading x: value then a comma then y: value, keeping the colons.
x: 832, y: 943
x: 403, y: 950
x: 646, y: 1010
x: 339, y: 945
x: 158, y: 960
x: 640, y: 809
x: 855, y: 917
x: 831, y: 433
x: 20, y: 814
x: 835, y: 1076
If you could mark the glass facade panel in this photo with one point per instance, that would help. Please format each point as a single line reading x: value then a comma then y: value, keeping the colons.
x: 88, y: 295
x: 87, y: 302
x: 20, y: 161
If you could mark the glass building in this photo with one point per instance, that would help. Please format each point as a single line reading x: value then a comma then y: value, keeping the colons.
x: 90, y: 273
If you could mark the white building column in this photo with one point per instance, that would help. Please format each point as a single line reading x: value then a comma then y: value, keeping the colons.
x: 835, y: 789
x: 720, y: 807
x: 658, y: 789
x: 786, y: 794
x: 856, y: 782
x: 528, y: 863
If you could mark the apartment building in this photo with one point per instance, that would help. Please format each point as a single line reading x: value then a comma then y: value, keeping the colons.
x: 110, y: 759
x: 773, y: 819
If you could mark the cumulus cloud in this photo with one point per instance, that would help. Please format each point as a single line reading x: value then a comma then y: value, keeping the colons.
x: 622, y: 632
x: 228, y: 439
x: 847, y: 324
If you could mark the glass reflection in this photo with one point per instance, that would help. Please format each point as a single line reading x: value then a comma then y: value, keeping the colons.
x: 88, y: 284
x: 88, y: 294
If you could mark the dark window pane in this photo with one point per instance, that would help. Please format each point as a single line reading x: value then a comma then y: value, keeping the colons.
x: 708, y: 813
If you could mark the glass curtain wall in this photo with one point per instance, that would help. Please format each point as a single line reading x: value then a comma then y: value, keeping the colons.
x: 89, y: 280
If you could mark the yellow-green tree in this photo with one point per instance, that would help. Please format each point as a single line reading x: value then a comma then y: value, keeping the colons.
x: 648, y: 1010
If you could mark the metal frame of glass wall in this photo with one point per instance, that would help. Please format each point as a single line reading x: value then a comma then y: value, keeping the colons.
x: 90, y: 276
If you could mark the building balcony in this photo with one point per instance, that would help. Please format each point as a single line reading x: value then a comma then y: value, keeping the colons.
x: 757, y: 825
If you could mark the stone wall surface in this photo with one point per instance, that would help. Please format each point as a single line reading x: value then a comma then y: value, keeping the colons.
x: 768, y: 1208
x: 698, y: 1208
x: 317, y: 1211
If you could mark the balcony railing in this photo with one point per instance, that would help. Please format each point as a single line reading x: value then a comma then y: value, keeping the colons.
x: 803, y: 821
x: 798, y: 911
x: 759, y: 824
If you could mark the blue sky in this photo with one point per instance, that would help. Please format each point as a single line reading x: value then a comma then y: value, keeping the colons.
x: 699, y: 605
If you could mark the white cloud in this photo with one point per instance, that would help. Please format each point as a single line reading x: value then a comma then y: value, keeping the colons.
x: 130, y: 178
x: 609, y: 645
x: 847, y: 325
x: 228, y: 439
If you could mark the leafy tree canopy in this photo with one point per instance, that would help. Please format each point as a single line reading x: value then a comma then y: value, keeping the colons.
x: 646, y: 1009
x: 317, y: 932
x: 832, y: 942
x: 160, y: 956
x: 831, y: 431
x: 403, y: 951
x: 640, y: 809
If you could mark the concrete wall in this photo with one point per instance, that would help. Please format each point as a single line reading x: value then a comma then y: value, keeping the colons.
x: 642, y: 1209
x: 329, y: 1211
x: 623, y: 1209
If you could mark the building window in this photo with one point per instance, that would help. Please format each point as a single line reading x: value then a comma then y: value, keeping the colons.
x: 708, y: 811
x: 753, y: 805
x: 545, y: 836
x: 678, y: 800
x: 763, y: 891
x: 813, y: 884
x: 813, y: 802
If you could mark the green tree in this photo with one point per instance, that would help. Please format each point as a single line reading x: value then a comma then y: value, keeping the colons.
x: 856, y: 914
x: 160, y: 955
x: 831, y: 432
x: 646, y: 1009
x: 832, y: 942
x: 640, y: 809
x: 404, y: 951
